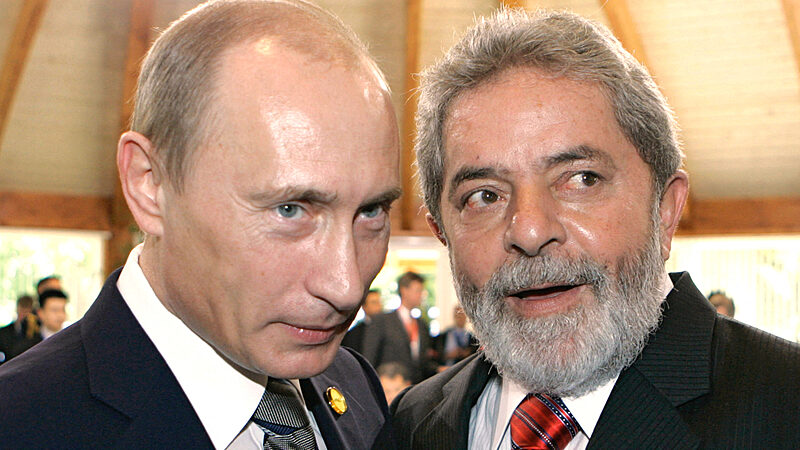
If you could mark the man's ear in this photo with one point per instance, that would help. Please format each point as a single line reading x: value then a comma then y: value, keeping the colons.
x: 435, y: 229
x: 673, y: 200
x: 141, y: 181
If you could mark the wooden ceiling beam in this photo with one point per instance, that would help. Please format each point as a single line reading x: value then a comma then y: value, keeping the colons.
x: 791, y: 9
x: 19, y: 46
x: 769, y: 215
x: 123, y: 227
x: 623, y: 27
x: 409, y: 202
x: 41, y: 210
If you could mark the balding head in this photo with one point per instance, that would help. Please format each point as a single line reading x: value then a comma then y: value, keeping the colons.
x: 175, y: 100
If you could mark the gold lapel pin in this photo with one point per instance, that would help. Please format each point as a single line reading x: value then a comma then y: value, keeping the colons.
x: 336, y: 400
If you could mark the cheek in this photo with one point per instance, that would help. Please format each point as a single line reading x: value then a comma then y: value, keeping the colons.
x: 371, y: 255
x: 477, y: 260
x: 605, y: 234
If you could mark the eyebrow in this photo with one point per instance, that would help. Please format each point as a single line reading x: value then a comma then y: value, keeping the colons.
x: 468, y: 173
x: 295, y: 193
x: 384, y: 197
x: 310, y: 195
x: 578, y: 153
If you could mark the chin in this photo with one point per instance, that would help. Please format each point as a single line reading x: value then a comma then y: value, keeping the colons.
x: 303, y: 363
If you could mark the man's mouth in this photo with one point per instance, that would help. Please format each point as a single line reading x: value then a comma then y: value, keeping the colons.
x: 544, y: 292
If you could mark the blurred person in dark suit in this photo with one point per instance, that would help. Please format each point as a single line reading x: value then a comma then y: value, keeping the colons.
x: 16, y: 330
x: 397, y: 336
x: 459, y: 342
x: 372, y: 307
x: 51, y: 315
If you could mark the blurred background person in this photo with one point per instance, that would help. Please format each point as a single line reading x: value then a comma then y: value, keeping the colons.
x: 47, y: 283
x: 722, y: 303
x: 51, y: 313
x: 394, y: 378
x: 372, y: 307
x: 458, y: 341
x: 15, y: 331
x: 398, y: 336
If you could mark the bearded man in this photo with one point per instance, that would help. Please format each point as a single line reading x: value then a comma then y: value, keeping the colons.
x: 550, y: 165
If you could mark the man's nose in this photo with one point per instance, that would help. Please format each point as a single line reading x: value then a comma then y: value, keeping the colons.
x: 535, y: 222
x: 337, y: 278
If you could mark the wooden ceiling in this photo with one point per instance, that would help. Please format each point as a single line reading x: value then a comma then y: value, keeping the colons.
x: 730, y: 69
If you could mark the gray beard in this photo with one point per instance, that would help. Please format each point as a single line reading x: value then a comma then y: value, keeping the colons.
x: 572, y: 353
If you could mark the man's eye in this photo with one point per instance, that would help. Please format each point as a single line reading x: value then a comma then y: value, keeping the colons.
x: 372, y: 212
x: 481, y: 198
x: 583, y: 180
x: 589, y: 178
x: 290, y: 211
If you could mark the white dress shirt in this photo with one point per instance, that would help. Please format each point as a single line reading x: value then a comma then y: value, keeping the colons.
x: 223, y: 398
x: 490, y: 417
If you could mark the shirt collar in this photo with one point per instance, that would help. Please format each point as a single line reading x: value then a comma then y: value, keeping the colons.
x: 586, y: 408
x: 223, y: 398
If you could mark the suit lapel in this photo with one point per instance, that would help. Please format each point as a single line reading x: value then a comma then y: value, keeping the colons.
x: 447, y: 424
x: 672, y: 370
x: 127, y: 373
x: 330, y: 427
x: 399, y: 326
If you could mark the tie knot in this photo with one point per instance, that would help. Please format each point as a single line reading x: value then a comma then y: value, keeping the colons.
x: 542, y: 422
x: 283, y: 418
x: 281, y: 406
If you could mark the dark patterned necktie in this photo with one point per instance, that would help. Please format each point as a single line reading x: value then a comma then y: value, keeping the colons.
x: 542, y: 422
x: 283, y: 418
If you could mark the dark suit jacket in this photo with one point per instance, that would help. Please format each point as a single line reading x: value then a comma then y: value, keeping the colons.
x: 386, y: 340
x: 702, y: 381
x: 101, y: 383
x: 8, y: 337
x: 355, y: 336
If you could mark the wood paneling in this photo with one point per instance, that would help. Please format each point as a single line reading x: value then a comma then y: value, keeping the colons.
x: 791, y: 8
x: 409, y: 202
x: 621, y: 23
x: 743, y: 216
x: 40, y: 210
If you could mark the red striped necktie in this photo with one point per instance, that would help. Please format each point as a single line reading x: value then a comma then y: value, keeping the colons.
x: 542, y: 422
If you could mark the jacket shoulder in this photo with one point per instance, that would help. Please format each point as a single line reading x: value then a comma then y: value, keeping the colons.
x: 753, y: 391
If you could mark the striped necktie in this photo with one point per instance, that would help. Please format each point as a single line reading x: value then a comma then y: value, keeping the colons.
x: 542, y: 422
x: 283, y: 418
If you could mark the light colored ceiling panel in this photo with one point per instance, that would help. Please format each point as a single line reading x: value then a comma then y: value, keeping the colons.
x: 64, y: 123
x: 591, y: 9
x: 444, y: 21
x: 381, y: 26
x: 728, y: 71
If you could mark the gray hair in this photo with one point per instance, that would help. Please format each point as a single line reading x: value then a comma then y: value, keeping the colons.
x: 176, y: 90
x: 564, y: 45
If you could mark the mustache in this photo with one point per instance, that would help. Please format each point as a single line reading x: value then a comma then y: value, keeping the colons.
x: 524, y: 272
